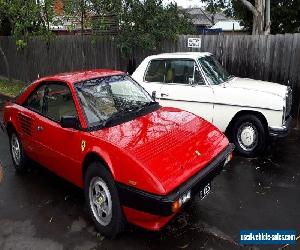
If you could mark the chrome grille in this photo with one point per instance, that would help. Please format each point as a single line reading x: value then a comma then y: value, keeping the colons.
x: 289, y: 102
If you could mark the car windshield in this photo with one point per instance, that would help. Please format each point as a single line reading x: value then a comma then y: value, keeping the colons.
x: 109, y: 98
x: 214, y: 71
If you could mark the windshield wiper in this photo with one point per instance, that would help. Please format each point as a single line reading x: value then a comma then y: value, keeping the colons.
x: 115, y: 116
x: 126, y: 111
x: 141, y: 107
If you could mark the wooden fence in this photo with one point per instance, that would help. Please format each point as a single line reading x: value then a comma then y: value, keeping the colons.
x: 274, y: 57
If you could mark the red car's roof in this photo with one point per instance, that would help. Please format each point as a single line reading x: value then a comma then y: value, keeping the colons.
x: 78, y: 76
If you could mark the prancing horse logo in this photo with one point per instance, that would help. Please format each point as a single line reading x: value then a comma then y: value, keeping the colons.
x: 197, y: 153
x: 83, y: 145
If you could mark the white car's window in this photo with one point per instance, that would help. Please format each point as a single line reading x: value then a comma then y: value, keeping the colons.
x: 156, y: 71
x: 182, y: 71
x: 179, y: 71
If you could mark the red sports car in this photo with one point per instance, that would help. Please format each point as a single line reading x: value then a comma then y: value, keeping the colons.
x: 137, y: 162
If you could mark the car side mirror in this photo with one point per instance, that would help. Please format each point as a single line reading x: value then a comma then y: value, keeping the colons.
x: 154, y: 95
x: 69, y: 122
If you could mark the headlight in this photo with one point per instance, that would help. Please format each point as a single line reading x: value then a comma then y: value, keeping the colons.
x: 229, y: 158
x: 182, y: 200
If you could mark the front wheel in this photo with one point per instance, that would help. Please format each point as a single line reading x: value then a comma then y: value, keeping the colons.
x: 103, y: 201
x: 249, y: 135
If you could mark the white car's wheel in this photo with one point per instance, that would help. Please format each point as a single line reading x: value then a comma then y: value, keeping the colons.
x: 249, y: 135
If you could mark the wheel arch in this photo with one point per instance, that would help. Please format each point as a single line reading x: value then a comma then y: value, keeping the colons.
x: 10, y: 128
x: 240, y: 113
x: 92, y: 157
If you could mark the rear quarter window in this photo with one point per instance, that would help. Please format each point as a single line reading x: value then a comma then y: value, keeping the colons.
x: 156, y: 71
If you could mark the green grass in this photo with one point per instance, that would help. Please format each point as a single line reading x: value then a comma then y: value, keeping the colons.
x: 10, y: 88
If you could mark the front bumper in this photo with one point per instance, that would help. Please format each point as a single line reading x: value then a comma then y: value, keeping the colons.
x: 281, y: 131
x: 162, y: 204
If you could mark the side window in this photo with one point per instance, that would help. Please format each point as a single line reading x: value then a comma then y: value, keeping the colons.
x: 156, y: 71
x: 53, y: 100
x: 35, y: 100
x: 183, y: 71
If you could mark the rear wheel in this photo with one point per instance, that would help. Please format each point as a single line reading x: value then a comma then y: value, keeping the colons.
x: 249, y: 135
x: 103, y: 201
x: 18, y: 155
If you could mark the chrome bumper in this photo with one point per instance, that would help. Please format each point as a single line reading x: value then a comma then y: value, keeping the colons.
x: 281, y: 131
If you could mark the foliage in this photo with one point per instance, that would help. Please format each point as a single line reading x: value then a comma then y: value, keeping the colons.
x: 215, y: 6
x: 77, y: 12
x: 144, y: 24
x: 24, y: 18
x: 11, y: 88
x: 147, y: 24
x: 285, y: 16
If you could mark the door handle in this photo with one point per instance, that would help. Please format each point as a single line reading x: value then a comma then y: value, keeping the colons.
x: 164, y: 94
x: 39, y: 128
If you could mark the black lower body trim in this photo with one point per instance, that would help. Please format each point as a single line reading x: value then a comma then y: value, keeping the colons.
x: 162, y: 204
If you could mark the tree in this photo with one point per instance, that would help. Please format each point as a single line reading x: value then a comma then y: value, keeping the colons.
x: 258, y: 12
x: 214, y: 6
x: 24, y: 18
x: 146, y: 24
x: 77, y: 12
x: 284, y: 15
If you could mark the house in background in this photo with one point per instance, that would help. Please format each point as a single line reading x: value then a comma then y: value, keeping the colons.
x: 106, y: 24
x: 228, y: 27
x: 208, y: 23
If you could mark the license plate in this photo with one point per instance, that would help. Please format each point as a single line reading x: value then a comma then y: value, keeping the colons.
x: 205, y: 191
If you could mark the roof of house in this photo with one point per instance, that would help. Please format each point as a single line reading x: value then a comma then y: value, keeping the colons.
x: 228, y: 25
x: 203, y: 17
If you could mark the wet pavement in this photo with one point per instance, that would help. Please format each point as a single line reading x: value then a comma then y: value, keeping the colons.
x: 41, y: 211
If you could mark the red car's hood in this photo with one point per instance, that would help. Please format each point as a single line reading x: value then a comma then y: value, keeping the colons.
x: 172, y: 144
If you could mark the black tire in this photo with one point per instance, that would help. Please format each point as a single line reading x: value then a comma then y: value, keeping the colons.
x: 21, y: 165
x: 255, y: 125
x: 117, y: 222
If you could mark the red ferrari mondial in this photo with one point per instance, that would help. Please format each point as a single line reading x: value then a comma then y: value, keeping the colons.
x: 136, y: 161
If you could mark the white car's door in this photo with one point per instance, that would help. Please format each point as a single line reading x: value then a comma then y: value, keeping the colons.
x: 185, y: 88
x: 153, y: 78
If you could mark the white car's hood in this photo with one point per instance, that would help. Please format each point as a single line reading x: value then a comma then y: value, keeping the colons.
x: 257, y: 85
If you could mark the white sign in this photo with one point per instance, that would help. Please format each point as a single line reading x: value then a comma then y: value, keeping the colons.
x: 194, y: 42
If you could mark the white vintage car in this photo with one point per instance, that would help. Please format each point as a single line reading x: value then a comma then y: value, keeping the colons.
x: 248, y: 111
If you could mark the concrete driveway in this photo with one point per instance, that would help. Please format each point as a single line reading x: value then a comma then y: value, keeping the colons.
x: 41, y: 211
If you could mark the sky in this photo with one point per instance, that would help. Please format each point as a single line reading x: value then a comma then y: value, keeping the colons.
x: 186, y: 3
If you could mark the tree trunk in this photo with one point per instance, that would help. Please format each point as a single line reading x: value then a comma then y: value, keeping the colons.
x: 258, y: 15
x: 6, y: 63
x: 268, y: 17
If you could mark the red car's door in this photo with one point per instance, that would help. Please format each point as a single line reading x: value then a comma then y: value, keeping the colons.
x: 59, y: 148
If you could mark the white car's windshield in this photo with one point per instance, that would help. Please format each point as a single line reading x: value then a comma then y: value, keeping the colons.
x: 110, y: 98
x: 214, y: 71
